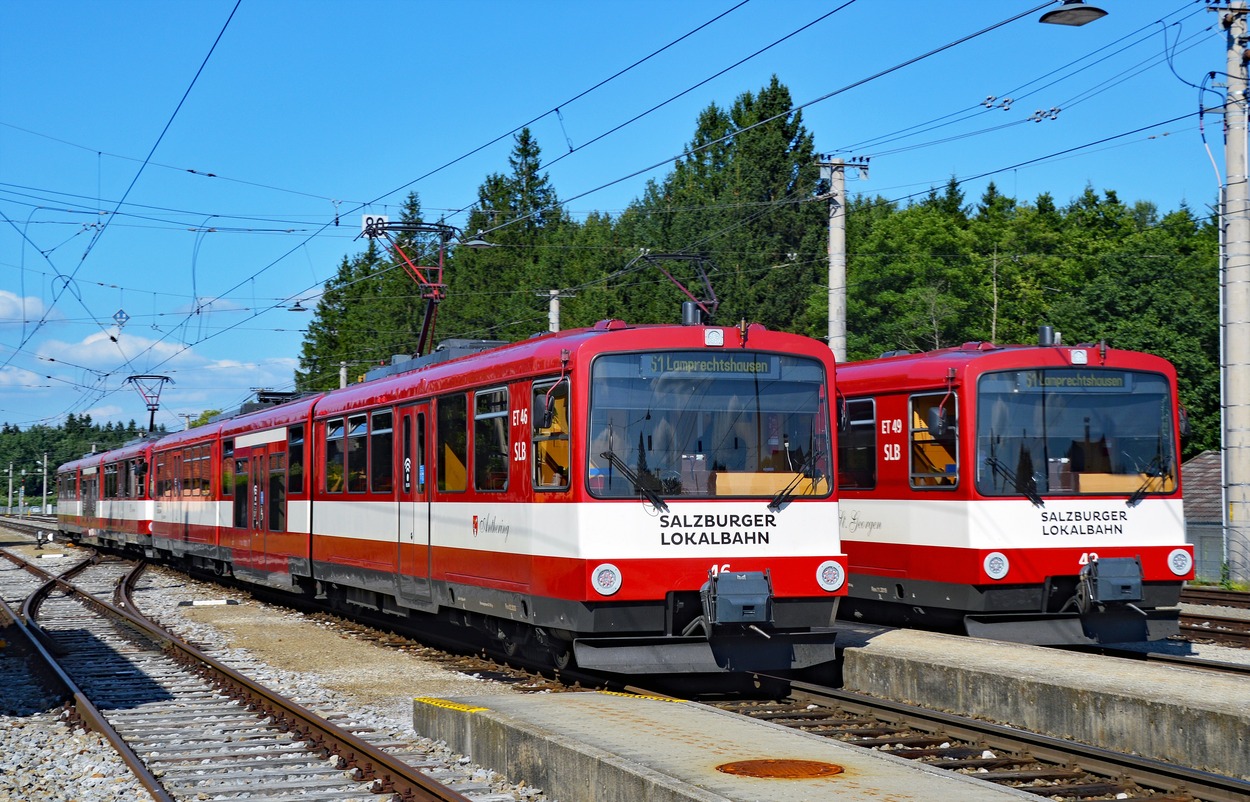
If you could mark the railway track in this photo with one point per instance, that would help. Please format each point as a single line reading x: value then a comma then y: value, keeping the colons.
x: 1217, y: 597
x: 203, y: 730
x: 1226, y: 630
x: 1048, y: 767
x: 1202, y: 620
x: 1011, y: 765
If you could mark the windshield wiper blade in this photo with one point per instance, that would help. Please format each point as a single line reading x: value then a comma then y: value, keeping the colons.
x: 1026, y: 489
x: 637, y: 482
x: 1140, y: 493
x: 786, y: 493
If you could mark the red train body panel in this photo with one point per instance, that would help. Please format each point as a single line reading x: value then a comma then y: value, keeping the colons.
x: 647, y: 498
x: 1025, y: 492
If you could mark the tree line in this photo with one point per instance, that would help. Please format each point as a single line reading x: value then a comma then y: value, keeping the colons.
x: 747, y: 200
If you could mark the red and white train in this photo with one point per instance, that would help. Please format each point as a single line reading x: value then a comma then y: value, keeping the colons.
x: 635, y: 498
x: 1025, y: 493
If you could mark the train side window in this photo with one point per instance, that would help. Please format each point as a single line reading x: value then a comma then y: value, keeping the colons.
x: 110, y: 480
x: 551, y: 435
x: 933, y: 431
x: 491, y: 449
x: 334, y: 447
x: 227, y: 468
x: 452, y: 448
x: 414, y: 460
x: 206, y: 476
x: 183, y: 477
x: 357, y: 454
x: 191, y: 487
x: 857, y: 444
x: 381, y: 453
x: 277, y: 492
x: 295, y: 450
x: 162, y: 472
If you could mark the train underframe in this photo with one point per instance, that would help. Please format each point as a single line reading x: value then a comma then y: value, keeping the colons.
x: 689, y: 632
x: 1053, y: 613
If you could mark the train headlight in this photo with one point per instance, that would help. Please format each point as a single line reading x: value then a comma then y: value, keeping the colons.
x: 606, y: 579
x: 1179, y: 562
x: 996, y: 565
x: 830, y: 576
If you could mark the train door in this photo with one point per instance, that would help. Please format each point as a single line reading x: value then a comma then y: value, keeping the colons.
x: 413, y: 547
x: 90, y: 493
x: 266, y: 503
x: 251, y: 547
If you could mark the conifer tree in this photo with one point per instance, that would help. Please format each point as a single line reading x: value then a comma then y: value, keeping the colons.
x: 494, y: 293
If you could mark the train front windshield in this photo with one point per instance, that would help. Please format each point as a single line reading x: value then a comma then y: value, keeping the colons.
x: 1069, y: 431
x: 698, y: 423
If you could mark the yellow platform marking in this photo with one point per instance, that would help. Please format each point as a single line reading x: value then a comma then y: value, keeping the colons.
x: 641, y: 696
x: 450, y: 705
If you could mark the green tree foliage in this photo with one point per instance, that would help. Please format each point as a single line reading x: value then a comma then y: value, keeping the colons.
x: 934, y: 275
x: 746, y: 194
x: 370, y: 311
x: 495, y: 291
x: 1158, y: 291
x: 743, y: 195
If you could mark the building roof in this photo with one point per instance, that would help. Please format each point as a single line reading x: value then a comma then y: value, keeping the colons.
x: 1203, y: 480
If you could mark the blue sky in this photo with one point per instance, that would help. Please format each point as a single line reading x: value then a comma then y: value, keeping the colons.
x: 203, y: 206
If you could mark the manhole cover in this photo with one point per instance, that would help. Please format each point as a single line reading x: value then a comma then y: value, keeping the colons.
x: 781, y: 769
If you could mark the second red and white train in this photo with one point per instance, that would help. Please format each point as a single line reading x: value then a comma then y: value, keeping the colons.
x: 1025, y: 493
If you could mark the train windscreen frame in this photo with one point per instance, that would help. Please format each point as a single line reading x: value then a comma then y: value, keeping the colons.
x: 1074, y: 431
x: 697, y: 423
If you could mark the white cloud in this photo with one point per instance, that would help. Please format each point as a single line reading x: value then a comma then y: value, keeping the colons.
x: 106, y: 350
x: 110, y: 412
x: 14, y: 309
x: 19, y: 378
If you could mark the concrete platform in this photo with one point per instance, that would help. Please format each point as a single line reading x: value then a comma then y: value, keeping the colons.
x: 599, y: 747
x: 1195, y: 718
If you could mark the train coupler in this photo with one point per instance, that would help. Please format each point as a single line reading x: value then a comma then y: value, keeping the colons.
x: 740, y: 601
x: 1110, y: 580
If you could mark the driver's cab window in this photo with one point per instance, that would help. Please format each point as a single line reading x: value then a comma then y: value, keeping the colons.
x: 550, y: 416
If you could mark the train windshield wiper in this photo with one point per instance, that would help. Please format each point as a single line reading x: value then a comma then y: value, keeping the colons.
x: 1153, y: 471
x: 1026, y: 488
x: 806, y: 471
x: 639, y: 485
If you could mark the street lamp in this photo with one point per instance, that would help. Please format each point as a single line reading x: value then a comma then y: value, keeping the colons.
x: 1073, y: 12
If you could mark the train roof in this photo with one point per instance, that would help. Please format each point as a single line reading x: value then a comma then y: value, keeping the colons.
x: 546, y: 353
x: 276, y: 415
x: 464, y: 363
x: 905, y: 370
x: 134, y: 448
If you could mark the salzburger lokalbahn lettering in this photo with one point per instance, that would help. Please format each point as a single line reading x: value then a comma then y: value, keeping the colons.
x: 714, y: 538
x: 697, y: 520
